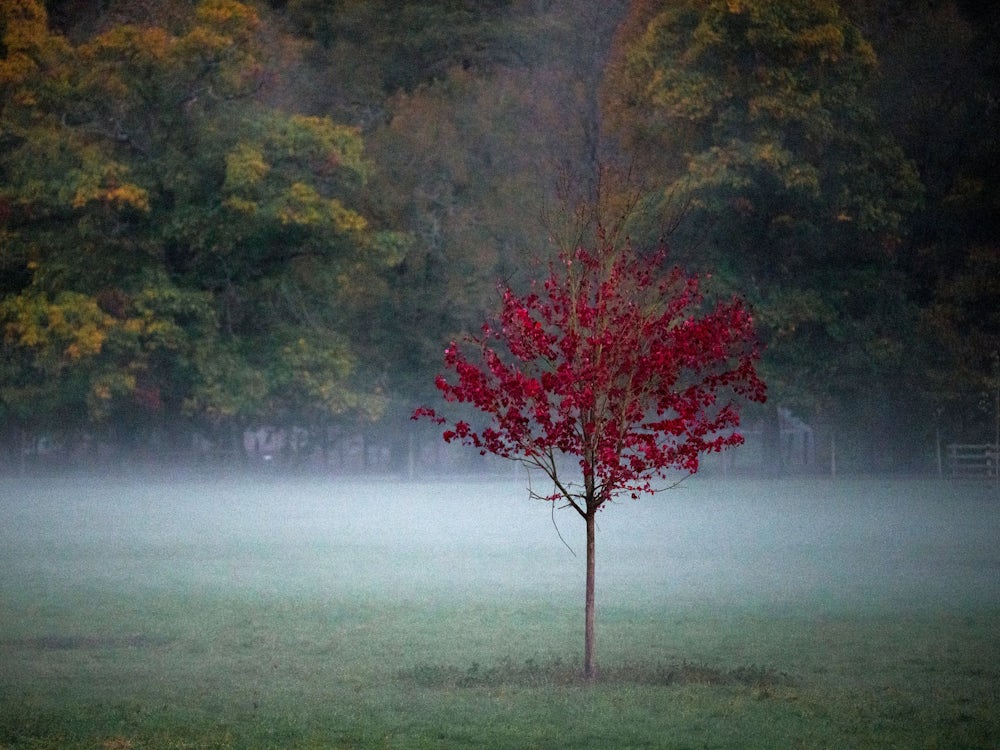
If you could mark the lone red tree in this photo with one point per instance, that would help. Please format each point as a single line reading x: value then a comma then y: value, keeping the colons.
x: 614, y: 362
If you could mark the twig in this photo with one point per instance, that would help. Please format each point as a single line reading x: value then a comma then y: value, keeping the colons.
x: 552, y: 503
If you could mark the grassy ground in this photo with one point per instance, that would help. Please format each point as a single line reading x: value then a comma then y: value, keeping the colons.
x: 223, y: 614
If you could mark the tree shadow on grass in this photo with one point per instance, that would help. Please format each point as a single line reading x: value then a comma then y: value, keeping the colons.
x: 558, y: 673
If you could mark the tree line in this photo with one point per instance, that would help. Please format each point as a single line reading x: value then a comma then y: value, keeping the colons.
x: 221, y: 215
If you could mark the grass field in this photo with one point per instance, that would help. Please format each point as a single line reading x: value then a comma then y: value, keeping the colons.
x: 216, y: 613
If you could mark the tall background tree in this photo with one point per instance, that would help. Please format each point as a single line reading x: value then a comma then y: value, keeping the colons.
x: 937, y: 93
x: 209, y: 239
x: 756, y: 116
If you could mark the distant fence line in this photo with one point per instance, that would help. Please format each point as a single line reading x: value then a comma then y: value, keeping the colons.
x: 973, y: 460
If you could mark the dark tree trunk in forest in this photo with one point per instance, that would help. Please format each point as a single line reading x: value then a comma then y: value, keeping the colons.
x: 772, y: 459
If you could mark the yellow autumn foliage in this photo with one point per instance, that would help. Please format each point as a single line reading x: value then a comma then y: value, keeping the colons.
x: 69, y: 328
x: 105, y: 183
x: 117, y: 197
x: 245, y: 167
x: 227, y: 13
x: 345, y: 219
x: 241, y: 205
x: 301, y: 205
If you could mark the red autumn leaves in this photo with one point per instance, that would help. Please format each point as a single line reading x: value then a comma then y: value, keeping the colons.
x: 610, y: 360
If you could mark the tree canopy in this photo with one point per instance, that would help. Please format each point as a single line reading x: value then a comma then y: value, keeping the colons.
x: 217, y: 215
x: 756, y: 116
x: 174, y: 247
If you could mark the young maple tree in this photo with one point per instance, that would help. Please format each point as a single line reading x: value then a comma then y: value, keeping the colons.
x: 612, y: 361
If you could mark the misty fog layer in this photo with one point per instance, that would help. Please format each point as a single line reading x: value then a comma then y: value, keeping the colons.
x: 810, y: 545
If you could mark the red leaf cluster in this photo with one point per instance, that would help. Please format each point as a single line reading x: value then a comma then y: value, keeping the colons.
x: 610, y: 360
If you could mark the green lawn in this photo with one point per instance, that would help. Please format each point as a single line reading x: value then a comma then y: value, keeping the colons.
x: 303, y: 614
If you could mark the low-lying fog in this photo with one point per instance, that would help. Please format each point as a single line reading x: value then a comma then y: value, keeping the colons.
x: 813, y: 543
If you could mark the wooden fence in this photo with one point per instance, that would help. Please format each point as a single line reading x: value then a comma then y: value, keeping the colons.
x: 973, y: 461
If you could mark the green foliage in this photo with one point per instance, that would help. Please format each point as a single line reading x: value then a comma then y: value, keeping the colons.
x: 964, y: 324
x: 936, y: 92
x: 412, y: 42
x: 49, y: 348
x: 208, y: 225
x: 363, y: 172
x: 69, y: 328
x: 755, y: 115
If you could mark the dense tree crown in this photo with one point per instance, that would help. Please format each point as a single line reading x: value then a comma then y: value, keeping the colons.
x: 174, y: 246
x: 612, y: 363
x: 218, y: 215
x: 756, y: 113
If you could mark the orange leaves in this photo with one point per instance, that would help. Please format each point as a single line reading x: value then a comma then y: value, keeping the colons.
x: 232, y: 16
x: 28, y: 50
x: 62, y: 330
x: 117, y: 197
x: 138, y: 45
x: 97, y: 181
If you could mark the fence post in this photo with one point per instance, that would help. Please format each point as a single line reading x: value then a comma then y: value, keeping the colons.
x: 937, y: 446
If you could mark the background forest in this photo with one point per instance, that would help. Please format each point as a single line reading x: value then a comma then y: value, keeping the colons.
x: 218, y: 216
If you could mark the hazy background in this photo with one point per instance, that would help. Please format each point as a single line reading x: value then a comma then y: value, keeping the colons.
x: 245, y: 232
x: 803, y: 546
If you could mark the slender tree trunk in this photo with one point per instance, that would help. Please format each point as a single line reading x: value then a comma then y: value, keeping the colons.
x: 589, y: 636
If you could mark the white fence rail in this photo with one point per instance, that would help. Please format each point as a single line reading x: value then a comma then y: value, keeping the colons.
x: 973, y: 461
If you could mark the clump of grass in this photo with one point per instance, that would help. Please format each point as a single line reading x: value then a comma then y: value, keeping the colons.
x: 528, y: 674
x: 557, y: 673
